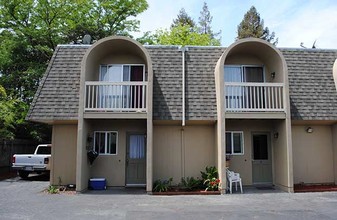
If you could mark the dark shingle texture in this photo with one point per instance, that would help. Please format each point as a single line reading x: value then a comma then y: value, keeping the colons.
x: 313, y: 94
x: 58, y: 94
x: 200, y: 82
x: 167, y: 82
x: 200, y: 99
x: 312, y: 90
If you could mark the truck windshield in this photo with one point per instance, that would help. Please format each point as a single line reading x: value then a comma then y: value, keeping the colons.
x: 44, y: 150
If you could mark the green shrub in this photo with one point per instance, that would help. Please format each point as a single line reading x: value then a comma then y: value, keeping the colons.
x: 210, y: 178
x: 53, y: 189
x: 190, y: 183
x: 162, y: 185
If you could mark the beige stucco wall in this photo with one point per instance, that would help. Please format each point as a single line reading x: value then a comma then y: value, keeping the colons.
x: 282, y: 156
x: 313, y: 154
x: 243, y: 163
x: 334, y: 147
x: 114, y: 49
x: 113, y: 167
x: 64, y: 140
x: 182, y: 151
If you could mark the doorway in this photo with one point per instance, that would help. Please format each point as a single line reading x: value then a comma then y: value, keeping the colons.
x: 261, y: 159
x: 136, y: 160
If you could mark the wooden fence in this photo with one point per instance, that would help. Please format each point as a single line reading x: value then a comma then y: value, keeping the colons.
x: 8, y: 148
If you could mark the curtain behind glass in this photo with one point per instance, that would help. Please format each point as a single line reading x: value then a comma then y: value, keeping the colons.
x: 137, y: 147
x: 233, y: 74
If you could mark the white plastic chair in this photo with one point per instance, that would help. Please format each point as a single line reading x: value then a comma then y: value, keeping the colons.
x: 233, y: 178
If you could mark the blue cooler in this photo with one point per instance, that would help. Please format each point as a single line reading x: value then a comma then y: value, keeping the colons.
x: 97, y: 183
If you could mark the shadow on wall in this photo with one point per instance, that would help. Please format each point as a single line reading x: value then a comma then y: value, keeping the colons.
x: 160, y: 107
x: 294, y: 111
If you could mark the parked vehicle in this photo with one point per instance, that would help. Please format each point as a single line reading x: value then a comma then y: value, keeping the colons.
x: 33, y: 163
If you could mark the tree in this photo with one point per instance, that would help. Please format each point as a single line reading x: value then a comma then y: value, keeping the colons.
x: 183, y: 32
x: 148, y: 38
x: 183, y: 19
x: 253, y: 26
x: 184, y: 35
x: 31, y: 29
x: 6, y: 115
x: 205, y: 21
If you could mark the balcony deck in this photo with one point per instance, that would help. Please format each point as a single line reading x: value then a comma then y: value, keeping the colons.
x: 258, y: 98
x: 115, y: 99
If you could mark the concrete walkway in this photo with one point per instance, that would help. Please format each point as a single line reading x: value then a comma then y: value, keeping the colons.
x: 21, y: 199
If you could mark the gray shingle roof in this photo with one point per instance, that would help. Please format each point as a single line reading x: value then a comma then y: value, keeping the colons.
x: 58, y: 94
x: 312, y: 91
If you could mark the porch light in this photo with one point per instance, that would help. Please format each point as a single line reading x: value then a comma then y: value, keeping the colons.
x: 275, y: 135
x: 309, y: 130
x: 273, y: 75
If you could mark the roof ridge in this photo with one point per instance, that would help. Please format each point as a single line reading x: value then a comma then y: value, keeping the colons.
x: 305, y: 49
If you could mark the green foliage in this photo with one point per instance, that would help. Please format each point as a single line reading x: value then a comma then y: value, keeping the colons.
x: 148, y: 38
x: 185, y: 35
x: 253, y: 26
x: 7, y: 115
x: 184, y: 31
x: 210, y: 172
x: 190, y: 183
x: 53, y: 189
x: 212, y: 184
x: 183, y: 19
x: 210, y: 178
x: 162, y: 185
x: 30, y: 31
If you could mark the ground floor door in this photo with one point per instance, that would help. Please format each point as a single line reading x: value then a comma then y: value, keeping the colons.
x: 136, y: 160
x: 261, y: 159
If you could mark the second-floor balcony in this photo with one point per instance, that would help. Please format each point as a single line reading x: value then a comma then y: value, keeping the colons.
x: 115, y: 97
x: 254, y: 97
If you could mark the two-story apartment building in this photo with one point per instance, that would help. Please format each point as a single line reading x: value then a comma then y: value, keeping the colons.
x: 168, y: 111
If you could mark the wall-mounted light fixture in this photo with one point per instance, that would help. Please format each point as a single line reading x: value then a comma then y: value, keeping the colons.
x: 309, y: 130
x: 275, y: 135
x: 273, y: 74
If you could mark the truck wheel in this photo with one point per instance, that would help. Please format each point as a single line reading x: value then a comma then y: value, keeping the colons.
x: 23, y: 174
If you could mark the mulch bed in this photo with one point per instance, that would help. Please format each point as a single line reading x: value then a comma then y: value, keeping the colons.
x: 314, y: 188
x: 176, y: 193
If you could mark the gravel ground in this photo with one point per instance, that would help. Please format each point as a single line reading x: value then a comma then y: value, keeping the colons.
x: 26, y: 199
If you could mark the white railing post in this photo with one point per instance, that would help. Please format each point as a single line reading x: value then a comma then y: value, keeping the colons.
x: 115, y: 96
x: 254, y: 97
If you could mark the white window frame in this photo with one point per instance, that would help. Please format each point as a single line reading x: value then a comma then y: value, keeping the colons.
x: 232, y: 143
x: 106, y: 142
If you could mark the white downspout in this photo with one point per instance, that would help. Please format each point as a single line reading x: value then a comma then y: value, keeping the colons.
x: 183, y: 49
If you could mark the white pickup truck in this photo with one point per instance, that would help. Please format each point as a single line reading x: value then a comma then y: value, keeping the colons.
x: 32, y: 163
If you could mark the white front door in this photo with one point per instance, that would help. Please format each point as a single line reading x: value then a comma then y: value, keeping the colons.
x: 136, y: 160
x: 261, y: 159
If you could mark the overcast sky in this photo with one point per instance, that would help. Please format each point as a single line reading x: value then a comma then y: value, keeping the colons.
x: 293, y: 21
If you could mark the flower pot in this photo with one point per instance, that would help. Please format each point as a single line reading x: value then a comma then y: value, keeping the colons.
x: 227, y: 163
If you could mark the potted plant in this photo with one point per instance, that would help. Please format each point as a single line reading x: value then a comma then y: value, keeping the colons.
x: 228, y: 158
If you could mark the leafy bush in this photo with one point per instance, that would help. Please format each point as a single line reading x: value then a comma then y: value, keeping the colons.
x: 162, y: 185
x: 190, y: 183
x: 53, y: 189
x: 210, y: 178
x: 212, y: 184
x: 211, y: 172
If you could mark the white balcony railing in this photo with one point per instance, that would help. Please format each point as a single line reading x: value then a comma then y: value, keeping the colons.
x: 254, y: 97
x: 115, y: 96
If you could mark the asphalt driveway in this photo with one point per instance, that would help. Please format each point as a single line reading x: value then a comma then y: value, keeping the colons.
x: 25, y: 199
